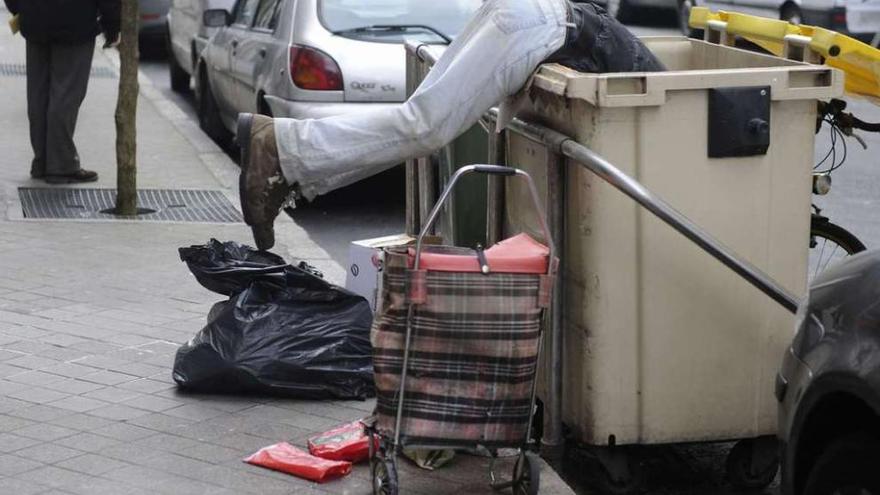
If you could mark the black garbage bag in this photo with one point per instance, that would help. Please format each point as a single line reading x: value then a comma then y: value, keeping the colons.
x: 284, y: 330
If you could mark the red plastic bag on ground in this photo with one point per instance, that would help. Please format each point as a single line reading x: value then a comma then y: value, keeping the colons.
x: 346, y: 443
x: 291, y: 460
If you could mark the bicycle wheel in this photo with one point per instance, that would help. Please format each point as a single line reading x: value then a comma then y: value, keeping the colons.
x: 830, y: 243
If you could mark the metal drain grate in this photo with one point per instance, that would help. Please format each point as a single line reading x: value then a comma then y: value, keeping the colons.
x: 20, y: 70
x: 170, y: 205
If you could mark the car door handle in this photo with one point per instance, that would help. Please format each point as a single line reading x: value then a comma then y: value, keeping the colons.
x: 234, y: 43
x: 263, y: 52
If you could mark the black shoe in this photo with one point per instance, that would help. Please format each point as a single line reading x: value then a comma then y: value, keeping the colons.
x: 80, y: 175
x: 38, y: 174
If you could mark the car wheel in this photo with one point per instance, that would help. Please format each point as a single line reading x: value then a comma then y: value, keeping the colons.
x: 209, y: 114
x: 848, y: 465
x: 684, y: 16
x: 791, y: 13
x: 179, y: 76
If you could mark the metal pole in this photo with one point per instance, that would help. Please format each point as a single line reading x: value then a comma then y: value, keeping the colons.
x: 495, y: 194
x: 552, y: 440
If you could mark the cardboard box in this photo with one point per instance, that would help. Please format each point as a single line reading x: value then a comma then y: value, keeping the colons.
x: 364, y: 275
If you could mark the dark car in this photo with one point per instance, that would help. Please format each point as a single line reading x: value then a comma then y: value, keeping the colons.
x: 829, y: 385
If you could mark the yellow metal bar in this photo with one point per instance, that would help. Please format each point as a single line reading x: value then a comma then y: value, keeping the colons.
x: 860, y: 62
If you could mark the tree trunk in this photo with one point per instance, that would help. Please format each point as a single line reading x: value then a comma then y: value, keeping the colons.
x: 126, y: 112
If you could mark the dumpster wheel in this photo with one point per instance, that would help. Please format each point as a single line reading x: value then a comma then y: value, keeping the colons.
x: 621, y: 471
x: 753, y: 463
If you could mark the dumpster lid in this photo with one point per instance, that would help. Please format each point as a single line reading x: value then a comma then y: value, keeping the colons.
x: 693, y: 65
x: 518, y: 254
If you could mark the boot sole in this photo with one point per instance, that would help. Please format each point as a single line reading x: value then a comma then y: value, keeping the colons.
x: 264, y: 235
x: 68, y: 180
x: 243, y: 136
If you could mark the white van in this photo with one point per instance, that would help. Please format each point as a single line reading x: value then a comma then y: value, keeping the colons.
x: 188, y: 36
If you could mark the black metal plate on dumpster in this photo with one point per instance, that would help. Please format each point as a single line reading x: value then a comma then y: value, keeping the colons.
x: 739, y: 121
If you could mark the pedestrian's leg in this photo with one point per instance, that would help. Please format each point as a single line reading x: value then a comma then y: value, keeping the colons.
x: 71, y: 66
x: 38, y: 63
x: 492, y: 58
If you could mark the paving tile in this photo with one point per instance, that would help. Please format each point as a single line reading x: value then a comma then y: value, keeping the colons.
x: 6, y: 355
x: 180, y: 465
x: 88, y: 442
x: 141, y: 370
x: 8, y: 404
x: 242, y: 441
x: 101, y: 362
x: 38, y: 395
x: 82, y: 422
x: 7, y: 386
x: 152, y: 403
x: 6, y: 370
x: 9, y: 423
x: 166, y: 442
x: 124, y: 432
x: 39, y: 413
x: 31, y: 362
x: 38, y: 378
x: 45, y: 432
x: 69, y: 370
x: 12, y: 464
x: 118, y: 412
x: 63, y: 354
x: 48, y: 453
x: 130, y: 452
x: 58, y: 478
x: 162, y: 422
x: 14, y: 486
x: 96, y: 347
x: 112, y: 394
x: 78, y: 404
x: 195, y: 412
x: 105, y: 377
x: 10, y: 442
x: 74, y: 386
x: 213, y: 454
x: 93, y: 464
x: 146, y: 386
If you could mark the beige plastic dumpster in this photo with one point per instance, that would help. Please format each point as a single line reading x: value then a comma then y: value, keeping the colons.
x: 663, y: 344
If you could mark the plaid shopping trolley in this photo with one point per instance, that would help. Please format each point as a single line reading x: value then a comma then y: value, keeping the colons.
x: 456, y: 345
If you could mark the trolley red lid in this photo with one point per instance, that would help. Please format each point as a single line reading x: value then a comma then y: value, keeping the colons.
x: 518, y: 254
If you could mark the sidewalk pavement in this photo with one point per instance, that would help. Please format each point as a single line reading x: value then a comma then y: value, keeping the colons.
x: 92, y: 312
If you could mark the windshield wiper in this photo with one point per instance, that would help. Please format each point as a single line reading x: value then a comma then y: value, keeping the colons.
x: 395, y: 27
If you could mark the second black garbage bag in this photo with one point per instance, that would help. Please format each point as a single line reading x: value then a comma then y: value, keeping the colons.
x: 283, y: 331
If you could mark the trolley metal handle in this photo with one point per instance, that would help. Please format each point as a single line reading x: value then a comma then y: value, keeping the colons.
x: 490, y: 170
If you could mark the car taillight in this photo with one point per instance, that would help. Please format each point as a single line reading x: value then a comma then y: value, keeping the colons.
x: 312, y: 69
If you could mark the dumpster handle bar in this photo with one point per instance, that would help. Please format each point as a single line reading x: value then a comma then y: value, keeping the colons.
x: 656, y: 205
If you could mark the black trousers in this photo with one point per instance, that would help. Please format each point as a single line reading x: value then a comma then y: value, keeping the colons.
x: 57, y: 80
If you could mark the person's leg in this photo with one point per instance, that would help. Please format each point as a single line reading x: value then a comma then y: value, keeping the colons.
x: 71, y: 67
x: 38, y: 63
x: 491, y: 59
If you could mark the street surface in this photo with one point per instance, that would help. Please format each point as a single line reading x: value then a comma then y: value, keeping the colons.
x: 375, y: 208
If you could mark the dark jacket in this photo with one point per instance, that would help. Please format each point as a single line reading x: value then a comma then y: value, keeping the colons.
x: 66, y: 21
x: 599, y: 43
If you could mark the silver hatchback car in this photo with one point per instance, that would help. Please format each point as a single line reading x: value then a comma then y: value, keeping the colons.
x: 314, y: 58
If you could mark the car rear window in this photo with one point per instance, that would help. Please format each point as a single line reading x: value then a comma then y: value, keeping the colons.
x: 446, y: 16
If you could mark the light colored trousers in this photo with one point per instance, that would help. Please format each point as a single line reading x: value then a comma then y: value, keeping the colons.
x: 490, y: 60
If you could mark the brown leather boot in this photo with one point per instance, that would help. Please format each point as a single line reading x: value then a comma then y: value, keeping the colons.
x: 262, y: 186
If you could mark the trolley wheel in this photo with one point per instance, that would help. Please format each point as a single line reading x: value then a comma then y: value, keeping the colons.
x: 384, y: 476
x: 527, y: 474
x: 753, y: 463
x: 621, y: 471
